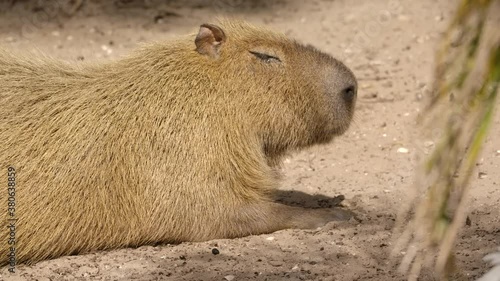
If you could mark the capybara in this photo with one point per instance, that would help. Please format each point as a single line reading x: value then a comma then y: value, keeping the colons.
x: 179, y: 141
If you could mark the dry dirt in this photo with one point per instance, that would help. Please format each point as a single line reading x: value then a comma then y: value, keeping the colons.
x: 388, y: 44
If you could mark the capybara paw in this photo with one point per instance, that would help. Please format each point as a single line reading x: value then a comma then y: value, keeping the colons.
x: 314, y: 218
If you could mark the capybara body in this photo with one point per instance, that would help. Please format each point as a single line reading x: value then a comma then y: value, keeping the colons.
x: 180, y: 141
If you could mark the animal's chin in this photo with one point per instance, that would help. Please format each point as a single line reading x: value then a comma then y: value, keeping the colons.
x: 339, y: 130
x: 328, y: 135
x: 325, y: 137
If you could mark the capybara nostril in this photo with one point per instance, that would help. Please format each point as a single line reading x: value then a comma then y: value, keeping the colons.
x: 349, y: 94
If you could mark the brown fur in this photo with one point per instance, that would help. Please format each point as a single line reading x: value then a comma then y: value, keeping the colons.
x: 170, y: 144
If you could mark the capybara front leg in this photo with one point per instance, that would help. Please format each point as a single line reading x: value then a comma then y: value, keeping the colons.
x: 305, y: 218
x: 270, y: 217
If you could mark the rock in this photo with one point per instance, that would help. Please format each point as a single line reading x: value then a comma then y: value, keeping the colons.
x: 403, y: 150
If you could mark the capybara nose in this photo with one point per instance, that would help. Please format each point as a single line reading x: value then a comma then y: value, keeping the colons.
x: 349, y: 93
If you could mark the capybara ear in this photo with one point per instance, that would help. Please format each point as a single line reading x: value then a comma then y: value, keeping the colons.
x: 209, y: 40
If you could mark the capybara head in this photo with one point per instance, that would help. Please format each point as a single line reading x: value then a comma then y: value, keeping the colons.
x: 307, y: 96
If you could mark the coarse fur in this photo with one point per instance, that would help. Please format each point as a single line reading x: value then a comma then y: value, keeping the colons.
x: 176, y: 142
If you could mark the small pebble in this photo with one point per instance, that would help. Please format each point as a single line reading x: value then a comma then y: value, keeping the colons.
x: 229, y: 277
x: 403, y: 150
x: 295, y: 268
x: 482, y: 175
x: 270, y: 238
x: 215, y: 251
x: 468, y: 221
x: 107, y: 49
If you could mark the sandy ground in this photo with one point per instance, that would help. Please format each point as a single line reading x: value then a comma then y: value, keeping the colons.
x: 388, y: 44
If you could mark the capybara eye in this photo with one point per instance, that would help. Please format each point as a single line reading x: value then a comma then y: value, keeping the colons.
x: 265, y: 57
